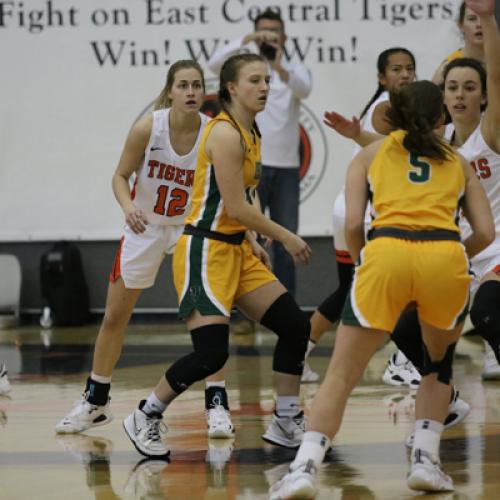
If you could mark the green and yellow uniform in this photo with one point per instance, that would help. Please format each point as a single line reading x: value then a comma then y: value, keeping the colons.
x: 414, y: 256
x: 213, y: 265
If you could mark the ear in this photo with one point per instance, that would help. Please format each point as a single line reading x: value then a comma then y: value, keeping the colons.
x: 231, y: 88
x: 382, y: 79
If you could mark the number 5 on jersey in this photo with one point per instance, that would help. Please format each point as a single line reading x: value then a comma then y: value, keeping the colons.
x: 420, y: 171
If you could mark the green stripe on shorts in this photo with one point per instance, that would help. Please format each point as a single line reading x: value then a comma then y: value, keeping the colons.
x: 196, y: 296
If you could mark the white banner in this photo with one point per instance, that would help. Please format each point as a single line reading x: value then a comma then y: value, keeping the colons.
x: 76, y: 74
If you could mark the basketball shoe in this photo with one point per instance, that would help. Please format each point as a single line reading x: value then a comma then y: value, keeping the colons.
x: 5, y: 386
x: 299, y: 482
x: 426, y: 474
x: 145, y: 432
x: 83, y: 416
x: 401, y: 374
x: 286, y: 431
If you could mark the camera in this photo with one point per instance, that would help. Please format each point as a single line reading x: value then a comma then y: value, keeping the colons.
x: 268, y: 51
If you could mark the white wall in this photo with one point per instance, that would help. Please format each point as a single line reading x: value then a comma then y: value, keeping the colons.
x: 66, y: 107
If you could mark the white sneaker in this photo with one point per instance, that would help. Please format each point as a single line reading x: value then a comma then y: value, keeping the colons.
x: 286, y: 431
x: 5, y: 387
x: 219, y: 423
x: 83, y: 416
x: 402, y: 374
x: 145, y: 432
x: 298, y: 483
x: 308, y: 375
x: 457, y: 411
x: 426, y: 474
x: 491, y: 370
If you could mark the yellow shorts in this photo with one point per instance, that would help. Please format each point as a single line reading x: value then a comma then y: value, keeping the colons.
x: 394, y: 273
x: 210, y: 275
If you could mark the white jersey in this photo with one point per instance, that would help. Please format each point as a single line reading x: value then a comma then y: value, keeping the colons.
x: 339, y: 205
x: 163, y: 184
x: 486, y: 164
x: 367, y: 121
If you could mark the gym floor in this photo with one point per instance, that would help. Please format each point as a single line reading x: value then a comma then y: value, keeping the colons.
x: 48, y: 368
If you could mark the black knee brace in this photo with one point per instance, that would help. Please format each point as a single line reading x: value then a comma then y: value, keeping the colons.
x: 331, y: 307
x: 443, y: 368
x: 285, y: 318
x: 210, y: 354
x: 407, y: 335
x: 485, y: 314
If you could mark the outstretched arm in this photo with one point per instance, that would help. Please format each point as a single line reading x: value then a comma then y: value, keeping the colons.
x: 350, y: 129
x: 490, y: 127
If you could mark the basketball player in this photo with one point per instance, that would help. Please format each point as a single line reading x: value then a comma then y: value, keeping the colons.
x: 396, y: 68
x: 215, y: 267
x: 161, y: 151
x: 415, y: 183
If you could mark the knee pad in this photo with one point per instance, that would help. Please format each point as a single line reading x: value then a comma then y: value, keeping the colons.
x: 443, y: 368
x: 210, y: 354
x: 285, y: 318
x: 407, y: 335
x: 485, y: 311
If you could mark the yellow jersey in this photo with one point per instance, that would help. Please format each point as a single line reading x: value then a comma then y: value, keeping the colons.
x: 208, y: 210
x: 414, y: 192
x: 457, y: 54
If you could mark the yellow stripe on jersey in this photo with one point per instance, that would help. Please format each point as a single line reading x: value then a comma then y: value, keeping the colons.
x: 208, y: 211
x: 414, y: 192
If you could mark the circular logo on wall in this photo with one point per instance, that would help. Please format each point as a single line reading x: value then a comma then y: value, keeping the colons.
x: 313, y: 148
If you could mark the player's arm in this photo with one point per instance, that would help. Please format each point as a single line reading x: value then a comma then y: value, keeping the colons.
x: 223, y: 147
x: 380, y: 122
x: 477, y: 211
x: 490, y: 125
x: 130, y: 160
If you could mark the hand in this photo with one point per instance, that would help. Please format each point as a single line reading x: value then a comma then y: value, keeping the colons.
x: 262, y: 36
x: 260, y: 253
x: 136, y: 220
x: 297, y: 248
x: 341, y: 125
x: 481, y: 7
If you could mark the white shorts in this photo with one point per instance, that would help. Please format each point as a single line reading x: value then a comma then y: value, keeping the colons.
x: 339, y: 243
x: 482, y: 267
x: 139, y: 256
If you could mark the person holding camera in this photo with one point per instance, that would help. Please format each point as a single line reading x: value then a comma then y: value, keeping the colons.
x: 279, y: 123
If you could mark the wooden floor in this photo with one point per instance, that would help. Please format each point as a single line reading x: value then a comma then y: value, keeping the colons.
x: 47, y: 370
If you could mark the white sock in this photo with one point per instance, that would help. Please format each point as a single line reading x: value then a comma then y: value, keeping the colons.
x: 310, y: 346
x: 153, y: 405
x: 427, y: 436
x: 287, y: 406
x: 100, y: 378
x: 400, y: 358
x: 314, y: 446
x: 215, y: 383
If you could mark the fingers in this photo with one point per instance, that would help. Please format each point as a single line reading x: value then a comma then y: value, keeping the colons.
x: 137, y: 221
x: 266, y: 260
x: 303, y: 256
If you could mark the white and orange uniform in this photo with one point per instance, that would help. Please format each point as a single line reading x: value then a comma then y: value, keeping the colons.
x: 341, y: 251
x: 162, y: 190
x: 486, y: 164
